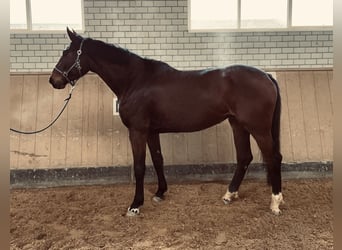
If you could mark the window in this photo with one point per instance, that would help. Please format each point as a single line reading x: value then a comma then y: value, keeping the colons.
x: 319, y: 13
x: 255, y: 14
x: 18, y: 17
x: 224, y: 16
x: 259, y: 14
x: 39, y: 15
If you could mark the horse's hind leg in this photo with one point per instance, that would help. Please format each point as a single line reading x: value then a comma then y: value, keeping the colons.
x: 273, y: 164
x: 153, y: 142
x: 244, y: 157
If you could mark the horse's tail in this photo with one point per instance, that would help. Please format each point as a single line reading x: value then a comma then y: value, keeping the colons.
x: 276, y: 126
x: 276, y: 118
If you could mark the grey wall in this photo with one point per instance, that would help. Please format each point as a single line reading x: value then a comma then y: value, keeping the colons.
x: 158, y: 29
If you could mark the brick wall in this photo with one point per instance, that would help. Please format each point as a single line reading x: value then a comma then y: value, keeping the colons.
x: 158, y: 29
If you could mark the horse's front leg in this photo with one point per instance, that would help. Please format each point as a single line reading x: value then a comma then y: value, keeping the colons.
x: 138, y: 142
x: 153, y: 142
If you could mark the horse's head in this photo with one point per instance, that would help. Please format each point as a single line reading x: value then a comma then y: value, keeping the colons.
x: 72, y: 64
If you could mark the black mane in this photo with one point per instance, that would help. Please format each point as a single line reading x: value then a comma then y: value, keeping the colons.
x: 110, y: 52
x: 116, y: 54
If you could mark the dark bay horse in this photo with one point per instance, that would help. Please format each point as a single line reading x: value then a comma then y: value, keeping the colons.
x: 156, y: 98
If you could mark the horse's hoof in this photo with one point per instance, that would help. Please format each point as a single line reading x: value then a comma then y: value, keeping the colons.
x: 132, y: 212
x: 226, y: 201
x: 229, y: 197
x: 157, y: 199
x: 275, y: 202
x: 276, y: 212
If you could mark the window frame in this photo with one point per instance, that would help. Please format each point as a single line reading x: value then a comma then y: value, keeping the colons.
x: 44, y: 31
x: 289, y: 26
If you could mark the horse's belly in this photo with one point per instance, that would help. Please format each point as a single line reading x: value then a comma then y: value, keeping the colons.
x: 186, y: 121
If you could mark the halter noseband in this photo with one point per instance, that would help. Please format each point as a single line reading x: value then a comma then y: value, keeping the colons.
x: 77, y: 65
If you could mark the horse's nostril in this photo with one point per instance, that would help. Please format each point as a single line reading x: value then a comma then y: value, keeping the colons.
x: 51, y: 80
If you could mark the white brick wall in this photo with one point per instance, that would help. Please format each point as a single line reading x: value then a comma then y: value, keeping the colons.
x: 158, y: 29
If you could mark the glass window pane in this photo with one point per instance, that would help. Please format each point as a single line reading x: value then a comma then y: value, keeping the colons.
x: 213, y: 14
x: 312, y: 13
x: 56, y: 15
x: 263, y: 13
x: 18, y: 14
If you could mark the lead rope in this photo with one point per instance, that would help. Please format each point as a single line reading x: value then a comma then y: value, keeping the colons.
x: 60, y: 113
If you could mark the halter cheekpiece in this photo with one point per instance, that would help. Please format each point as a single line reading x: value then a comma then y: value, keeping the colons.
x: 77, y: 65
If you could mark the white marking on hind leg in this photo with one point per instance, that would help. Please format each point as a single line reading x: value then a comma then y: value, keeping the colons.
x: 228, y: 197
x: 157, y: 199
x: 275, y: 202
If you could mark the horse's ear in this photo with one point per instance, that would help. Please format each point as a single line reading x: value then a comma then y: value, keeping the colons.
x: 74, y: 37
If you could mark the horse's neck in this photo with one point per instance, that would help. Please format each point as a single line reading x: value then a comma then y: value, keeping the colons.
x: 117, y: 76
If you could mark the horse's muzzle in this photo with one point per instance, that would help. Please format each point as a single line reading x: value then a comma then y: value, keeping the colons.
x: 57, y: 84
